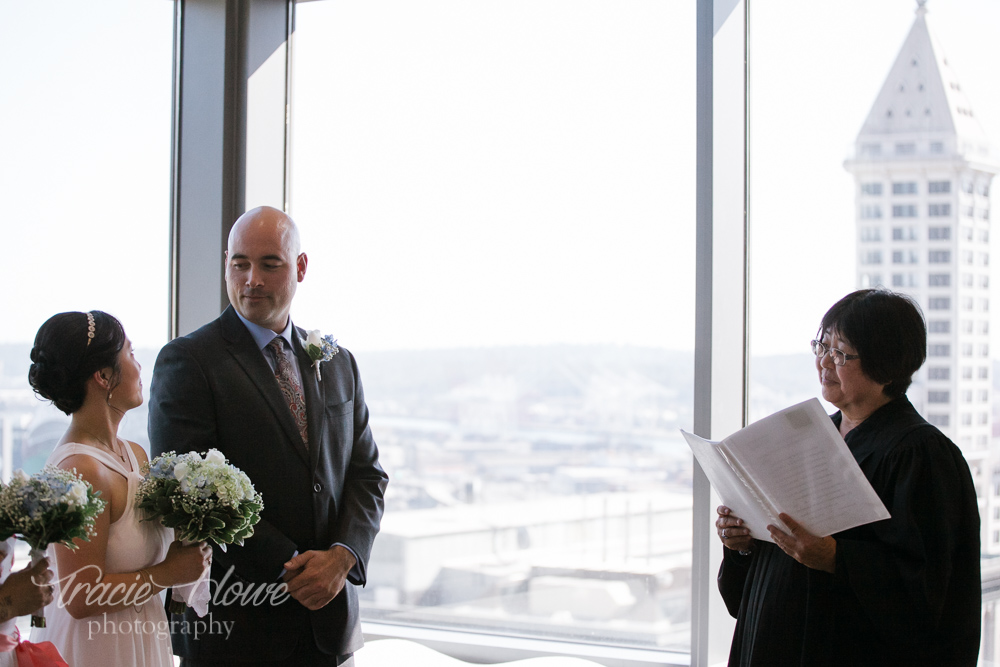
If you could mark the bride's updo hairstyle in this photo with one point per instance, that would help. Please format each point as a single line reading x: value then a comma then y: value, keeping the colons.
x: 69, y: 348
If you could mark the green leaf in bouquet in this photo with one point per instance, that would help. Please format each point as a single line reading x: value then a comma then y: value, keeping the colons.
x: 243, y: 534
x: 214, y: 523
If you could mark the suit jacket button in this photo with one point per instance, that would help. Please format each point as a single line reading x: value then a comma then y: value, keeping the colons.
x: 317, y: 487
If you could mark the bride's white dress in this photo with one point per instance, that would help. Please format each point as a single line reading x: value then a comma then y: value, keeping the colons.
x: 136, y: 636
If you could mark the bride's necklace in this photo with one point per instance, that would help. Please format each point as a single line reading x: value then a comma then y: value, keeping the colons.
x: 120, y: 453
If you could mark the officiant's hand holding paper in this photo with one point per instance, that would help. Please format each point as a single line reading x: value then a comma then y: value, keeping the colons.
x: 732, y: 531
x: 818, y: 553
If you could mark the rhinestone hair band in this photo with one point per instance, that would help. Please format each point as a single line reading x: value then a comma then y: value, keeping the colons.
x: 90, y: 328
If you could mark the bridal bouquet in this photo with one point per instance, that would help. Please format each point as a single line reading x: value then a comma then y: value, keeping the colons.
x: 201, y: 498
x: 54, y: 506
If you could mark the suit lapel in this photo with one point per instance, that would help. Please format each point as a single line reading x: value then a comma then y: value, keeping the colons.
x: 246, y: 353
x: 315, y: 395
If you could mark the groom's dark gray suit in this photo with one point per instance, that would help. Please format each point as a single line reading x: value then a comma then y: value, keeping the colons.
x: 214, y: 388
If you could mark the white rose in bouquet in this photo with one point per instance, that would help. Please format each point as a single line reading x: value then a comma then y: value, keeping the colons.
x: 215, y: 456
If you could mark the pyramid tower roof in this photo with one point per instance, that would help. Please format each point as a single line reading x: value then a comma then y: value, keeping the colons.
x: 922, y: 96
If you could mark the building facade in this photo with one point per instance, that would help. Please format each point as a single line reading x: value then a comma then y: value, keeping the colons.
x: 923, y: 167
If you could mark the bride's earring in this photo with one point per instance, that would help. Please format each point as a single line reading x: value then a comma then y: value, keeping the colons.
x: 111, y: 390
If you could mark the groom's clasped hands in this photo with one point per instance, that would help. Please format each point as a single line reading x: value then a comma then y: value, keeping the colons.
x: 316, y: 577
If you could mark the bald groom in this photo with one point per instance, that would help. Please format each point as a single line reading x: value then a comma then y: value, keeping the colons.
x: 244, y: 385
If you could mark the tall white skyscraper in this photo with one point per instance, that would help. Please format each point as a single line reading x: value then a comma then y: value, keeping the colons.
x: 923, y: 167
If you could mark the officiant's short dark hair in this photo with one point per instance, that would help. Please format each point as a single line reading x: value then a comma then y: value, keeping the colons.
x: 888, y: 332
x: 62, y: 360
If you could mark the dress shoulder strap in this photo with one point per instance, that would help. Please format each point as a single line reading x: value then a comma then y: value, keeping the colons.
x: 63, y: 452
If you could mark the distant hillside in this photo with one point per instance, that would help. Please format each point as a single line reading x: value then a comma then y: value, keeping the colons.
x: 551, y: 370
x: 555, y: 370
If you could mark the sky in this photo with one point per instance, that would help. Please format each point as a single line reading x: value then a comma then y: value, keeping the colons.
x: 464, y: 174
x: 806, y: 111
x: 85, y: 175
x: 503, y: 176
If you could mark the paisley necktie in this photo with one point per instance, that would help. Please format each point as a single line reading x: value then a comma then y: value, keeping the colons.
x: 290, y: 387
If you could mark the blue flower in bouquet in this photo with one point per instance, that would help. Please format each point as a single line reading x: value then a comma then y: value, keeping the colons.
x: 162, y: 467
x: 320, y: 348
x: 31, y: 506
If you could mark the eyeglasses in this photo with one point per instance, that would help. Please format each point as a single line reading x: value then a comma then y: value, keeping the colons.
x: 839, y: 356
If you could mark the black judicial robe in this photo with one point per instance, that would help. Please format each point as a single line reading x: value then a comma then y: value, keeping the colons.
x: 906, y: 590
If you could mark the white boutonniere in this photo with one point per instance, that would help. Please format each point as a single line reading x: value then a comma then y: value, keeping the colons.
x: 319, y: 348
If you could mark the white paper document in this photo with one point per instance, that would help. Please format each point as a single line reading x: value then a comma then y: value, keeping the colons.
x: 793, y: 462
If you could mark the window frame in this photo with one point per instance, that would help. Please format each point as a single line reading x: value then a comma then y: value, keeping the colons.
x: 214, y: 163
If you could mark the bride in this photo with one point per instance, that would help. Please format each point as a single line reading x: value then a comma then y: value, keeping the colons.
x: 83, y: 363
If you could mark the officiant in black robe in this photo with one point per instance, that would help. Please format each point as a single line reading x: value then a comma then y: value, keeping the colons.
x: 903, y: 591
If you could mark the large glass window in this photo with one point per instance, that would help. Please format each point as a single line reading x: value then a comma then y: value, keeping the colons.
x: 85, y: 174
x: 842, y: 143
x: 497, y: 200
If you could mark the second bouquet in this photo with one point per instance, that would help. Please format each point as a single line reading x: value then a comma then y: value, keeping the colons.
x: 53, y: 506
x: 201, y: 498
